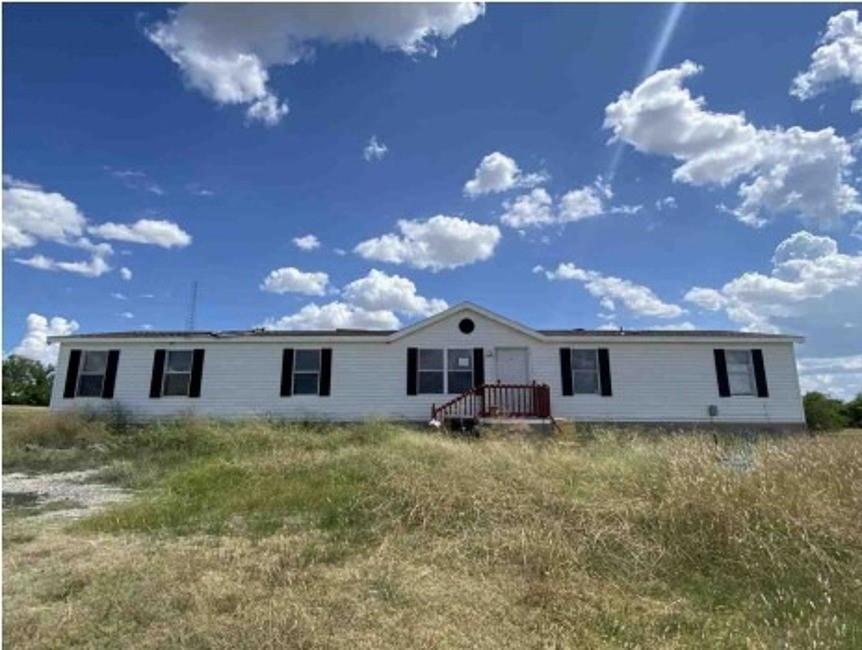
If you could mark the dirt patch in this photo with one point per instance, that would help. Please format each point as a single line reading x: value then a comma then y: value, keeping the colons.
x: 63, y: 495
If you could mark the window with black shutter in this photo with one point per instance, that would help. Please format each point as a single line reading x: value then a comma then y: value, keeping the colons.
x: 72, y: 374
x: 586, y: 371
x: 91, y: 376
x: 740, y: 372
x: 177, y: 374
x: 306, y: 372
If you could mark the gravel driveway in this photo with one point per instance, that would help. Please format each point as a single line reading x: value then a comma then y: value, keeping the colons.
x: 64, y: 495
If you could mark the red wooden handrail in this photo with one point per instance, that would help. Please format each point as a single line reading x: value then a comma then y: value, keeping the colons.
x: 498, y: 400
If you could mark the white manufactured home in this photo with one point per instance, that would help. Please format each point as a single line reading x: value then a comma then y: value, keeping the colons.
x: 465, y: 361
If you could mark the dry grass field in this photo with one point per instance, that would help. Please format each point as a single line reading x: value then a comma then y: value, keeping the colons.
x: 264, y: 534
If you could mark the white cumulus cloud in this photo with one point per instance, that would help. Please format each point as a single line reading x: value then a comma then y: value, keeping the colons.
x: 34, y: 345
x: 92, y: 268
x: 225, y: 51
x: 610, y: 290
x: 334, y: 315
x: 684, y: 326
x: 779, y: 170
x: 126, y: 273
x: 31, y: 214
x: 306, y: 242
x: 812, y: 288
x: 379, y: 291
x: 291, y: 280
x: 497, y: 172
x: 533, y: 209
x: 441, y: 242
x: 144, y: 231
x: 839, y: 57
x: 580, y: 204
x: 536, y: 209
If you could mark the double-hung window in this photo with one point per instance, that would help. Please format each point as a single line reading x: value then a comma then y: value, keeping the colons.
x: 91, y: 378
x: 585, y: 372
x: 178, y: 373
x: 740, y: 372
x: 460, y: 374
x: 430, y: 371
x: 306, y: 372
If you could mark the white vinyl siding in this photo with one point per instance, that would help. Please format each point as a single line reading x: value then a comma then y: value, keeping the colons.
x: 655, y: 381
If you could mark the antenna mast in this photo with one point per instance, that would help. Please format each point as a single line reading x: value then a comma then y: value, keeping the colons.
x: 193, y: 307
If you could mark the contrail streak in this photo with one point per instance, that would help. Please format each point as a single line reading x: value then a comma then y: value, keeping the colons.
x: 653, y: 62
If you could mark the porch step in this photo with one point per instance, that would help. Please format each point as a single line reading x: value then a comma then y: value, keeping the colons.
x: 512, y: 421
x: 545, y: 425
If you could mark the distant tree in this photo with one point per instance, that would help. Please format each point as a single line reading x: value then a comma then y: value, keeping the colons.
x: 823, y: 413
x: 853, y: 411
x: 26, y: 381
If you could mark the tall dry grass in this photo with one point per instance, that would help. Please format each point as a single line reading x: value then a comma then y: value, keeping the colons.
x: 269, y: 534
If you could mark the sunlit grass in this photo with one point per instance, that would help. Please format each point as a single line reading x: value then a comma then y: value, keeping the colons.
x: 270, y: 534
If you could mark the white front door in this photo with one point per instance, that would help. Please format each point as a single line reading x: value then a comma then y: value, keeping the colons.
x: 512, y: 365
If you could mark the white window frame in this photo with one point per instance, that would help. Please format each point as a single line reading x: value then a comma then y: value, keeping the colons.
x: 167, y: 371
x: 448, y: 369
x: 597, y: 372
x: 441, y: 370
x: 89, y: 373
x: 752, y: 387
x: 317, y: 372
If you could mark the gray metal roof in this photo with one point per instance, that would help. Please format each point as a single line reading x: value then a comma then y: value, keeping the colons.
x: 179, y: 334
x: 667, y: 333
x: 262, y: 333
x: 353, y: 333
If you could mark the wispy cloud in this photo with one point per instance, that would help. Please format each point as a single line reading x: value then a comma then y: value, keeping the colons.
x: 135, y: 180
x: 374, y: 150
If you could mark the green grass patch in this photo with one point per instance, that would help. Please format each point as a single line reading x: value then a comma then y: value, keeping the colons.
x: 372, y: 535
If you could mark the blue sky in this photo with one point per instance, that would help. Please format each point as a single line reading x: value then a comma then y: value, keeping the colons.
x: 197, y: 143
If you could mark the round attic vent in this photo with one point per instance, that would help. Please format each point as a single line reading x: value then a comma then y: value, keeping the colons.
x: 466, y: 325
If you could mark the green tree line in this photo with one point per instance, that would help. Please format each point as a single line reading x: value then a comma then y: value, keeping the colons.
x: 824, y: 413
x: 26, y: 381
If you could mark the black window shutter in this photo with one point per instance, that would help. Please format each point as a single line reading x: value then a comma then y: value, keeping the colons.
x: 759, y: 373
x: 287, y: 372
x: 158, y: 373
x: 110, y: 374
x: 478, y: 366
x: 325, y: 371
x: 721, y: 373
x: 605, y: 372
x: 412, y: 368
x: 197, y: 373
x: 566, y: 371
x: 72, y: 374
